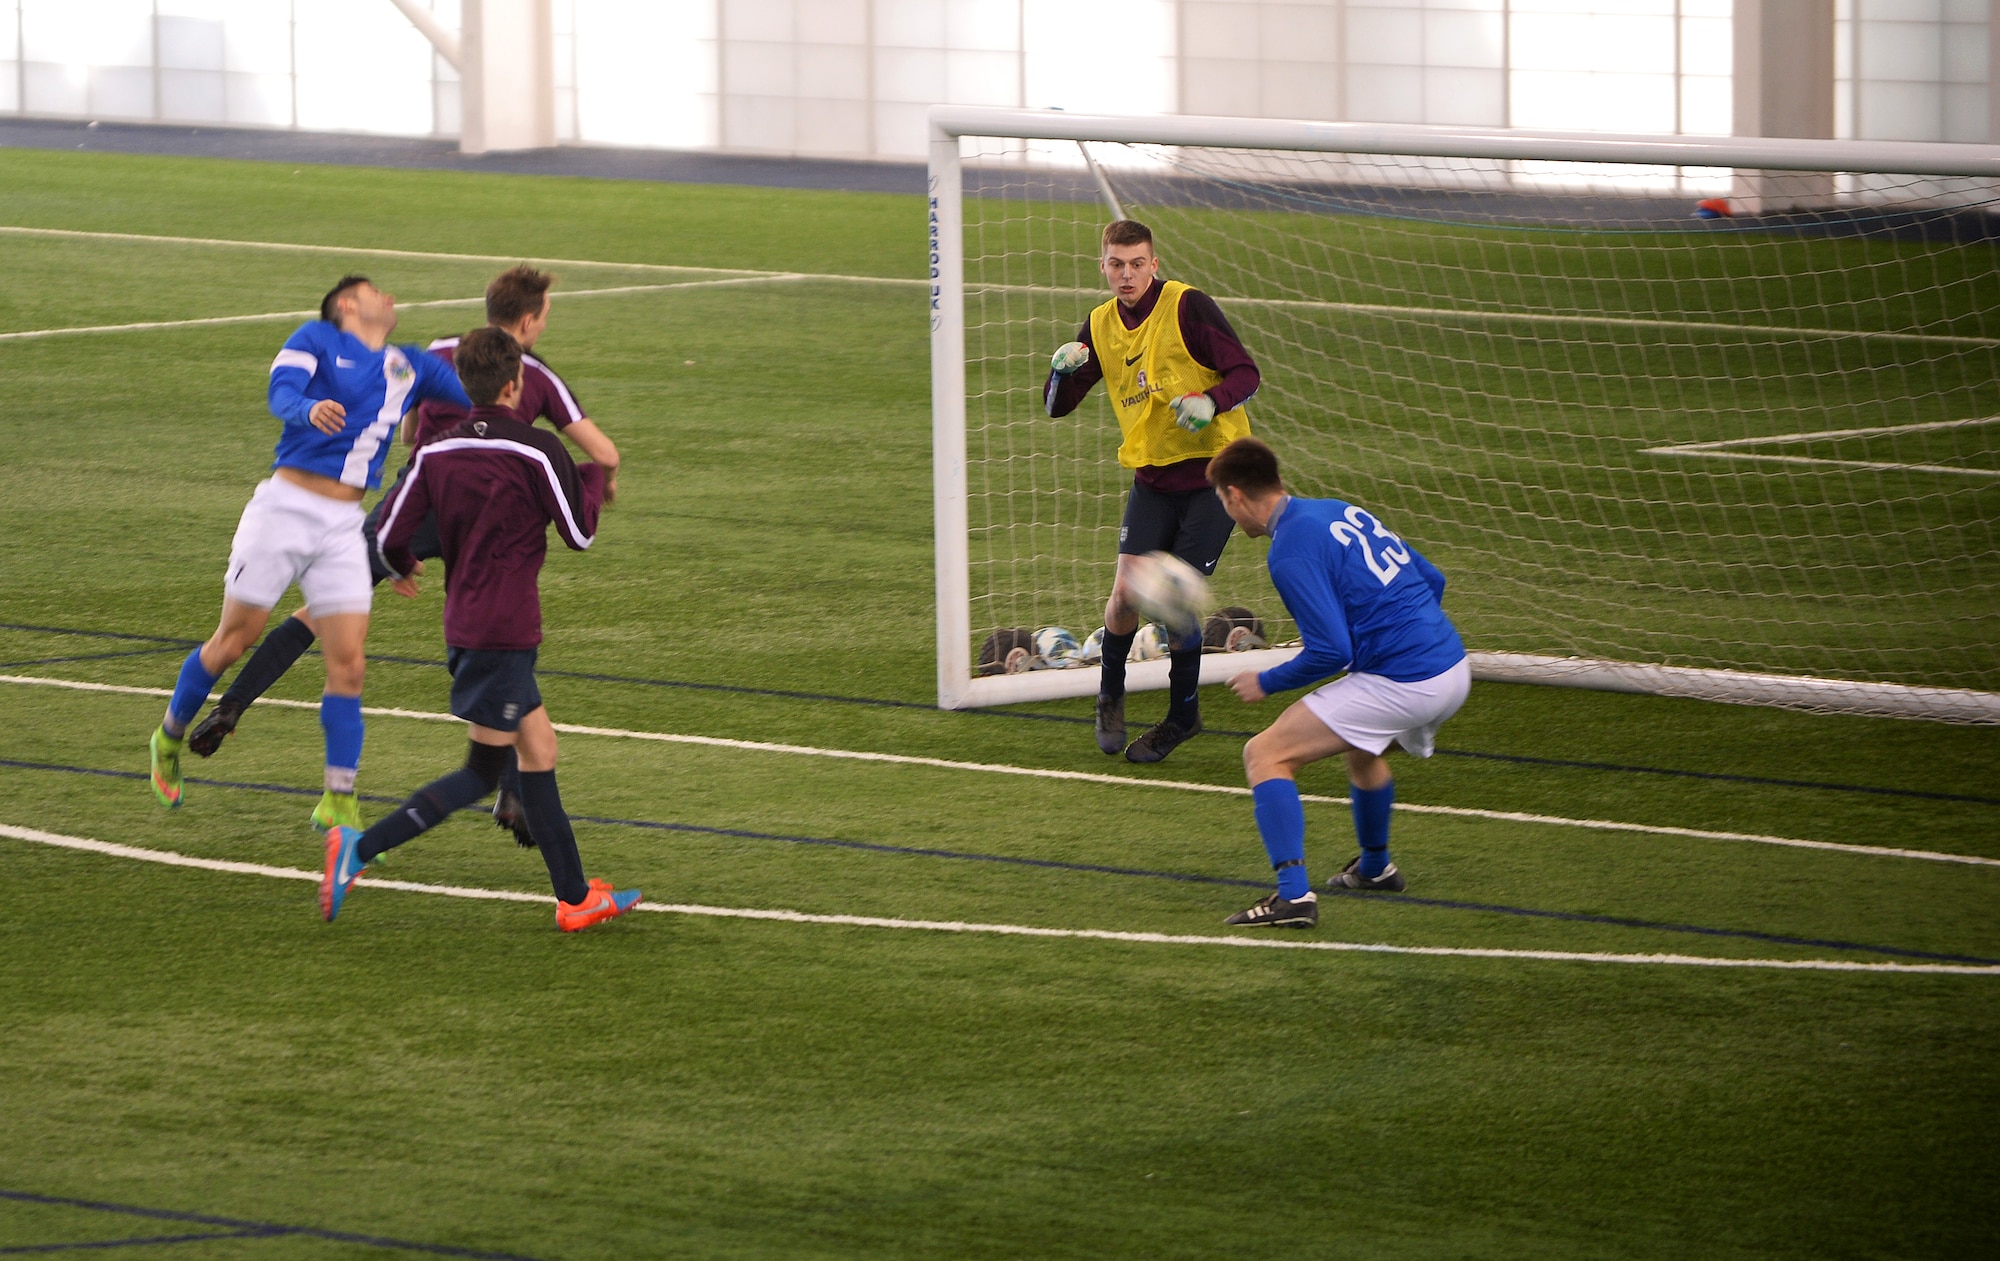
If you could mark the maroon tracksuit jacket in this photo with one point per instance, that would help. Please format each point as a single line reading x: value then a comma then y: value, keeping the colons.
x: 495, y: 485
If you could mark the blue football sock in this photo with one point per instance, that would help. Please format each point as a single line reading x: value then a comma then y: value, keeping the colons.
x: 1281, y: 821
x: 340, y: 718
x: 190, y: 694
x: 1371, y: 825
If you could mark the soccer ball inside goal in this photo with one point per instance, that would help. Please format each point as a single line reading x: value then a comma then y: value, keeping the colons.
x: 1151, y: 643
x: 1056, y: 649
x: 1168, y: 590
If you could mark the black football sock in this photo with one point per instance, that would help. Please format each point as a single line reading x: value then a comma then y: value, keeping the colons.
x: 268, y: 664
x: 510, y: 775
x: 550, y: 827
x: 427, y: 807
x: 1116, y: 648
x: 1184, y: 685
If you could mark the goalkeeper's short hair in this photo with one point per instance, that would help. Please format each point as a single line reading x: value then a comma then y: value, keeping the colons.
x: 1127, y: 232
x: 1246, y: 464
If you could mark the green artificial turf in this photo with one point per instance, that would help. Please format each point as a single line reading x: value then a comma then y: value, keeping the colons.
x: 455, y: 1072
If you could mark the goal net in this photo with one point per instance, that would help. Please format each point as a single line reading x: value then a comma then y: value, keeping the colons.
x: 1753, y: 456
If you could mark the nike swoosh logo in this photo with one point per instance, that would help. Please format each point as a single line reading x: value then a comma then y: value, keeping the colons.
x: 1135, y: 358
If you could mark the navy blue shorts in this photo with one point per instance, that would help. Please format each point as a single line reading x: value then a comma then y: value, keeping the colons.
x: 493, y: 688
x: 1191, y: 525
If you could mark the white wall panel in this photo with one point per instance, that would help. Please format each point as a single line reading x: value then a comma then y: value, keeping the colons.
x: 911, y: 75
x: 756, y: 68
x: 1216, y: 30
x: 833, y: 22
x: 1300, y: 32
x: 836, y: 72
x: 853, y: 76
x: 909, y: 24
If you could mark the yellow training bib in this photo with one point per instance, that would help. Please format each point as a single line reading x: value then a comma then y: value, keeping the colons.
x: 1146, y: 369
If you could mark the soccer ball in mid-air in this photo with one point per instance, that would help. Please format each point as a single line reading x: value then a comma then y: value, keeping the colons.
x: 1168, y: 590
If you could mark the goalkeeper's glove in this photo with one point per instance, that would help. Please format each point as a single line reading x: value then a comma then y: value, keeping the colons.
x: 1192, y: 412
x: 1069, y: 357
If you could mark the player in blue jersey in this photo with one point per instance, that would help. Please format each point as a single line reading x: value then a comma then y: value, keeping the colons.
x: 341, y: 389
x: 1366, y: 603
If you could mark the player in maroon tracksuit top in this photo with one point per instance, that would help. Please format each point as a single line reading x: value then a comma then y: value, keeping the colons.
x: 494, y: 485
x: 517, y: 301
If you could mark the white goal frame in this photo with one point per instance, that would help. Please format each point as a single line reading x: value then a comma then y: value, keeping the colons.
x: 958, y: 685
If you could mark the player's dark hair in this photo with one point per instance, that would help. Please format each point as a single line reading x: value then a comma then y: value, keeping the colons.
x: 1246, y: 464
x: 329, y: 306
x: 1127, y: 232
x: 516, y: 292
x: 487, y: 359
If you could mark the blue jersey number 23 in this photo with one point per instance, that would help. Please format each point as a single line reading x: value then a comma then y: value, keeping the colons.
x: 1356, y: 531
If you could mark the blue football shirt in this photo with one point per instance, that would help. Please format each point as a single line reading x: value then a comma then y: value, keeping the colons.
x: 376, y: 387
x: 1365, y: 601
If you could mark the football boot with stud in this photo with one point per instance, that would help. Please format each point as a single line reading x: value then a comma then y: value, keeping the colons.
x: 206, y: 736
x: 1111, y: 724
x: 602, y: 903
x: 510, y: 814
x: 1350, y: 877
x: 167, y: 782
x: 343, y: 868
x: 1161, y: 739
x: 1277, y: 911
x: 336, y: 810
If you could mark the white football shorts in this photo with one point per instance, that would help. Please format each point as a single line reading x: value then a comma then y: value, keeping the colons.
x: 1371, y: 712
x: 289, y: 534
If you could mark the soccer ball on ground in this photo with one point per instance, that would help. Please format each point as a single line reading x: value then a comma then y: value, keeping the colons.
x: 1168, y: 590
x: 1093, y: 648
x: 1151, y: 643
x: 1056, y: 649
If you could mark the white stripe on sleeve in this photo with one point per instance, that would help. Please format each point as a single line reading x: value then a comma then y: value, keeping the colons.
x: 562, y: 390
x: 289, y: 358
x: 568, y: 524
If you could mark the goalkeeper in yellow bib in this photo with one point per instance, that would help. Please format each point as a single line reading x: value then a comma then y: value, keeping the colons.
x: 1178, y: 377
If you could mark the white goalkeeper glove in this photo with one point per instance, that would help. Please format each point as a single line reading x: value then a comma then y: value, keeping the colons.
x: 1192, y: 412
x: 1069, y: 357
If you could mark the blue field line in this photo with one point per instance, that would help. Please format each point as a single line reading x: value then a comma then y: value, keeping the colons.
x: 140, y: 1241
x: 90, y: 656
x: 1096, y: 869
x: 880, y: 703
x: 235, y: 1228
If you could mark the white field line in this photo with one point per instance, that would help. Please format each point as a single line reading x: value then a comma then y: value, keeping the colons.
x: 1357, y: 308
x: 170, y: 859
x: 1725, y: 449
x: 267, y: 316
x: 1086, y: 777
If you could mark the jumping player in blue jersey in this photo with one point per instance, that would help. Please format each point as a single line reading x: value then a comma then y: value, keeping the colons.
x: 1366, y: 603
x: 341, y: 389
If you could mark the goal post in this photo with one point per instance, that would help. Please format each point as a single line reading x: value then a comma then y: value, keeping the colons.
x: 1752, y: 458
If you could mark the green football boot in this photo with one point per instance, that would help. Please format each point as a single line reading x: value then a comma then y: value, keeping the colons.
x: 336, y: 810
x: 166, y: 768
